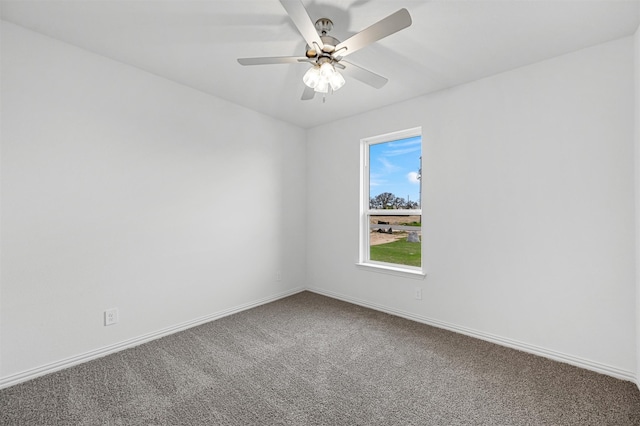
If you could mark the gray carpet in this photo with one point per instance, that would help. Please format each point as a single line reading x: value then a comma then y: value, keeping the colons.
x: 312, y: 360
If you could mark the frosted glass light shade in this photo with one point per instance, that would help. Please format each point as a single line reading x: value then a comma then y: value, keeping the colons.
x: 327, y: 70
x: 336, y: 81
x: 312, y: 77
x: 320, y: 78
x: 323, y: 86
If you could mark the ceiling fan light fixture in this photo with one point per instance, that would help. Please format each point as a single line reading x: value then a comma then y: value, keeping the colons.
x: 336, y: 81
x: 312, y: 77
x: 323, y: 86
x: 327, y: 70
x: 321, y: 77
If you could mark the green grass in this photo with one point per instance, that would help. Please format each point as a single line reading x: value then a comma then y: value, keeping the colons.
x: 411, y: 224
x: 400, y: 252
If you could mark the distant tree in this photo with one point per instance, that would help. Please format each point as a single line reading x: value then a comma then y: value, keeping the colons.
x: 386, y: 200
x: 399, y: 203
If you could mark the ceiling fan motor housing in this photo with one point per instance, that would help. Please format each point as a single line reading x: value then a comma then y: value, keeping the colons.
x: 329, y: 46
x: 323, y: 26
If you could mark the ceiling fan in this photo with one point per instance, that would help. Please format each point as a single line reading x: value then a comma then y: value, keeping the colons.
x: 326, y: 53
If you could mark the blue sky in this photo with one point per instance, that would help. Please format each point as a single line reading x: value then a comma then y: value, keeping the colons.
x: 393, y: 167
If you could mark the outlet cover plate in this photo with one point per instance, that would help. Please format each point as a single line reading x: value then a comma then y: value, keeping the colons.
x: 111, y: 316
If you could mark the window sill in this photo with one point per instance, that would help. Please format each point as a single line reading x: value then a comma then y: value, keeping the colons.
x: 390, y: 270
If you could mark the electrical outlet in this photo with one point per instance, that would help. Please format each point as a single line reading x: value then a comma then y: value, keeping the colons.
x: 418, y: 293
x: 110, y: 316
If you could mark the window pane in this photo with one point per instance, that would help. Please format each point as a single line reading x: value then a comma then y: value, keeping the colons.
x: 395, y: 174
x: 395, y: 239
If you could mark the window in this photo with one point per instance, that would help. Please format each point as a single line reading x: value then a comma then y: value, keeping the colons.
x: 391, y: 197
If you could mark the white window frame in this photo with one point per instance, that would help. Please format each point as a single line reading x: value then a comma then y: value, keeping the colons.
x: 364, y: 260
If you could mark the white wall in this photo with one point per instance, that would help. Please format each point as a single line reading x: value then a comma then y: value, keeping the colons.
x: 528, y: 209
x: 122, y: 189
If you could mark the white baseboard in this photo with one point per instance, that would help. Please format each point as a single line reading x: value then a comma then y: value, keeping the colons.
x: 525, y: 347
x: 97, y: 353
x: 514, y: 344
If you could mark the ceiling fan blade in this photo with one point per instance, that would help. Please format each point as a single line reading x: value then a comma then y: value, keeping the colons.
x: 365, y: 76
x: 381, y: 29
x: 302, y: 21
x: 271, y: 60
x: 308, y: 93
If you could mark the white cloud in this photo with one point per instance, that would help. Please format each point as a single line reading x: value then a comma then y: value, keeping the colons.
x: 404, y: 147
x: 388, y: 167
x: 402, y: 151
x: 376, y: 180
x: 413, y: 177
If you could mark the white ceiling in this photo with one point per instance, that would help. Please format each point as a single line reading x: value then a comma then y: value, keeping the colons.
x: 451, y: 42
